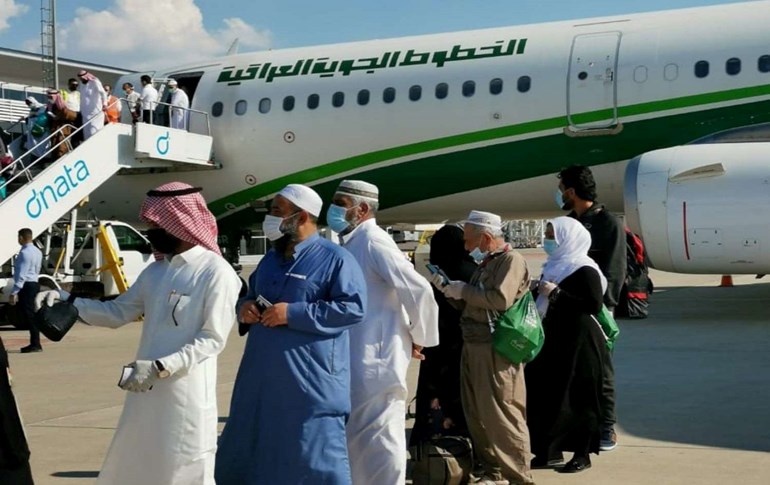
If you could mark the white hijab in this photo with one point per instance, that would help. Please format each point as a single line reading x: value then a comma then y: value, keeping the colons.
x: 574, y: 241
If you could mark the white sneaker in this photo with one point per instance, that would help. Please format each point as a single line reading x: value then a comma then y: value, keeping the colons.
x: 485, y: 480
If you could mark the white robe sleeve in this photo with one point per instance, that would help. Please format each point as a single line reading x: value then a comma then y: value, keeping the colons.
x: 414, y: 292
x: 102, y: 93
x: 222, y: 289
x: 126, y: 308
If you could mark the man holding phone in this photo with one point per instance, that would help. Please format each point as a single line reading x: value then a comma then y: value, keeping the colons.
x: 292, y: 394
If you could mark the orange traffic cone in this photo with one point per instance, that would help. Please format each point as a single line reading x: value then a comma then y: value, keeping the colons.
x: 727, y: 282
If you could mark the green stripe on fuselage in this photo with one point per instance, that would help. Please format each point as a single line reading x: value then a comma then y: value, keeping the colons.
x: 518, y: 160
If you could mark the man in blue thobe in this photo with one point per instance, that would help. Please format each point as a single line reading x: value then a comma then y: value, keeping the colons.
x: 292, y: 394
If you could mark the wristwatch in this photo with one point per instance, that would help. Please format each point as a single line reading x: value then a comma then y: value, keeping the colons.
x: 162, y: 371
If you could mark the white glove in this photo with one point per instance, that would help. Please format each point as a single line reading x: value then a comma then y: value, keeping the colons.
x: 454, y: 290
x: 142, y: 378
x: 438, y: 281
x: 546, y: 288
x: 49, y: 297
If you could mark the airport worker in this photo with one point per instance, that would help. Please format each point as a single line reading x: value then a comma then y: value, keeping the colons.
x: 14, y: 451
x: 494, y: 395
x: 113, y: 106
x: 577, y: 194
x: 26, y: 271
x: 180, y: 104
x: 71, y: 95
x: 291, y: 397
x: 167, y: 433
x: 93, y: 103
x: 564, y: 381
x: 401, y: 319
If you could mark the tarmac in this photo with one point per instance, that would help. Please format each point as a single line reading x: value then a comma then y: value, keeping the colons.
x: 692, y: 382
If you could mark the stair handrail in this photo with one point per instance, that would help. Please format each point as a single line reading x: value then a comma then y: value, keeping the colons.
x: 191, y: 110
x: 26, y: 170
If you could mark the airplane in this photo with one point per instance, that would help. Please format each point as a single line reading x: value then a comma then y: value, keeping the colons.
x: 484, y: 119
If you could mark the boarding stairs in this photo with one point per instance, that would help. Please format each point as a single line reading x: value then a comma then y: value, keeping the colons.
x: 38, y: 195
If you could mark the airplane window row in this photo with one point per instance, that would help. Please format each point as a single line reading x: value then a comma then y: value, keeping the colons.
x: 415, y: 93
x: 732, y: 66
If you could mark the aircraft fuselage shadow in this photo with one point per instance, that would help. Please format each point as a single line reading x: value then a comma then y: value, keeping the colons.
x: 696, y: 371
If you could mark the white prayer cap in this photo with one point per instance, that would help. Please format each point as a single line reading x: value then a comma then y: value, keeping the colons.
x: 359, y: 188
x: 303, y: 197
x: 172, y: 83
x: 484, y: 219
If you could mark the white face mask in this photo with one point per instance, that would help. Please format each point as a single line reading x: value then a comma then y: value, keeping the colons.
x: 272, y: 227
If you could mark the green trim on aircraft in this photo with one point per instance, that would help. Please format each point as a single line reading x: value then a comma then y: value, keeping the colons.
x: 324, y: 67
x: 522, y: 159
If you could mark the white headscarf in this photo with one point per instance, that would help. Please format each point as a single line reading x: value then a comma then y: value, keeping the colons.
x: 574, y: 241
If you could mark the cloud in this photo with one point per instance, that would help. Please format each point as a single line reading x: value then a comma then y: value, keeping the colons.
x: 9, y: 9
x: 141, y: 34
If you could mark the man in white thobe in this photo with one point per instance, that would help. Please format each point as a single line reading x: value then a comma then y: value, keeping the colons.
x: 93, y: 102
x: 167, y: 433
x: 401, y: 318
x: 180, y: 104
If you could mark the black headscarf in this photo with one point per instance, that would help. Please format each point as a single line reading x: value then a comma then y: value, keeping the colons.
x: 447, y: 251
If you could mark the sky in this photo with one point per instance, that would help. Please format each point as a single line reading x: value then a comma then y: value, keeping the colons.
x: 138, y: 34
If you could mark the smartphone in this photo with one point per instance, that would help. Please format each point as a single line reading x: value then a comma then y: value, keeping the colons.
x: 436, y: 270
x: 263, y: 303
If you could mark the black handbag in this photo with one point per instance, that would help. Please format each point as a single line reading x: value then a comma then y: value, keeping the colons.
x: 55, y: 321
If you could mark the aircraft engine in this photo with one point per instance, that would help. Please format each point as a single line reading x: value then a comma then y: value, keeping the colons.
x: 702, y: 208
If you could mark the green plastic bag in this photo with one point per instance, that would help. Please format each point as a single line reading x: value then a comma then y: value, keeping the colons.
x: 518, y: 334
x: 609, y: 326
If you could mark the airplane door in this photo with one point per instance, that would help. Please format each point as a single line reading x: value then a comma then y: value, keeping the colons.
x: 592, y: 82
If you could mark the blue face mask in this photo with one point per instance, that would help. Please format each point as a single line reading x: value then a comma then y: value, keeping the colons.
x: 550, y: 246
x: 559, y: 199
x: 478, y: 255
x: 335, y: 217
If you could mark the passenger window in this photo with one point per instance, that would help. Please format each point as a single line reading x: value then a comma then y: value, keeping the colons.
x: 523, y: 84
x: 338, y: 99
x: 288, y: 103
x: 241, y: 107
x: 469, y: 89
x: 264, y: 105
x: 217, y: 109
x: 312, y: 101
x: 415, y: 93
x: 389, y: 95
x: 701, y: 69
x: 363, y: 97
x: 496, y: 86
x: 733, y: 66
x: 671, y: 72
x: 442, y: 90
x: 764, y: 64
x: 640, y: 74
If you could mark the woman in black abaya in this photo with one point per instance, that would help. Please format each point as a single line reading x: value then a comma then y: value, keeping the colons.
x: 438, y: 409
x: 564, y: 381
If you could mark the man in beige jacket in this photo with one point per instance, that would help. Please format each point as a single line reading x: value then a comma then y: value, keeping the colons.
x: 493, y: 391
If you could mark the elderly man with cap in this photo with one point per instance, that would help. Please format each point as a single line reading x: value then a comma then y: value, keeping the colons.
x: 401, y: 319
x: 292, y: 394
x: 168, y: 430
x: 93, y: 103
x: 180, y: 104
x: 493, y: 391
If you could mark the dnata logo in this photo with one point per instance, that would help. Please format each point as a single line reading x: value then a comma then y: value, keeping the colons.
x: 51, y: 194
x: 163, y: 144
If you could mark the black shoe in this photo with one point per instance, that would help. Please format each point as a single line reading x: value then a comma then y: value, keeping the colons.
x: 31, y: 348
x: 553, y: 460
x: 576, y: 464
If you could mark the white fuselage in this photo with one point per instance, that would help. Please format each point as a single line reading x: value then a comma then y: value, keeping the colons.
x: 599, y: 92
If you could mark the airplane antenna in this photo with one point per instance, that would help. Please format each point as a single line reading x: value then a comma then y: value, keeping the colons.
x: 233, y: 48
